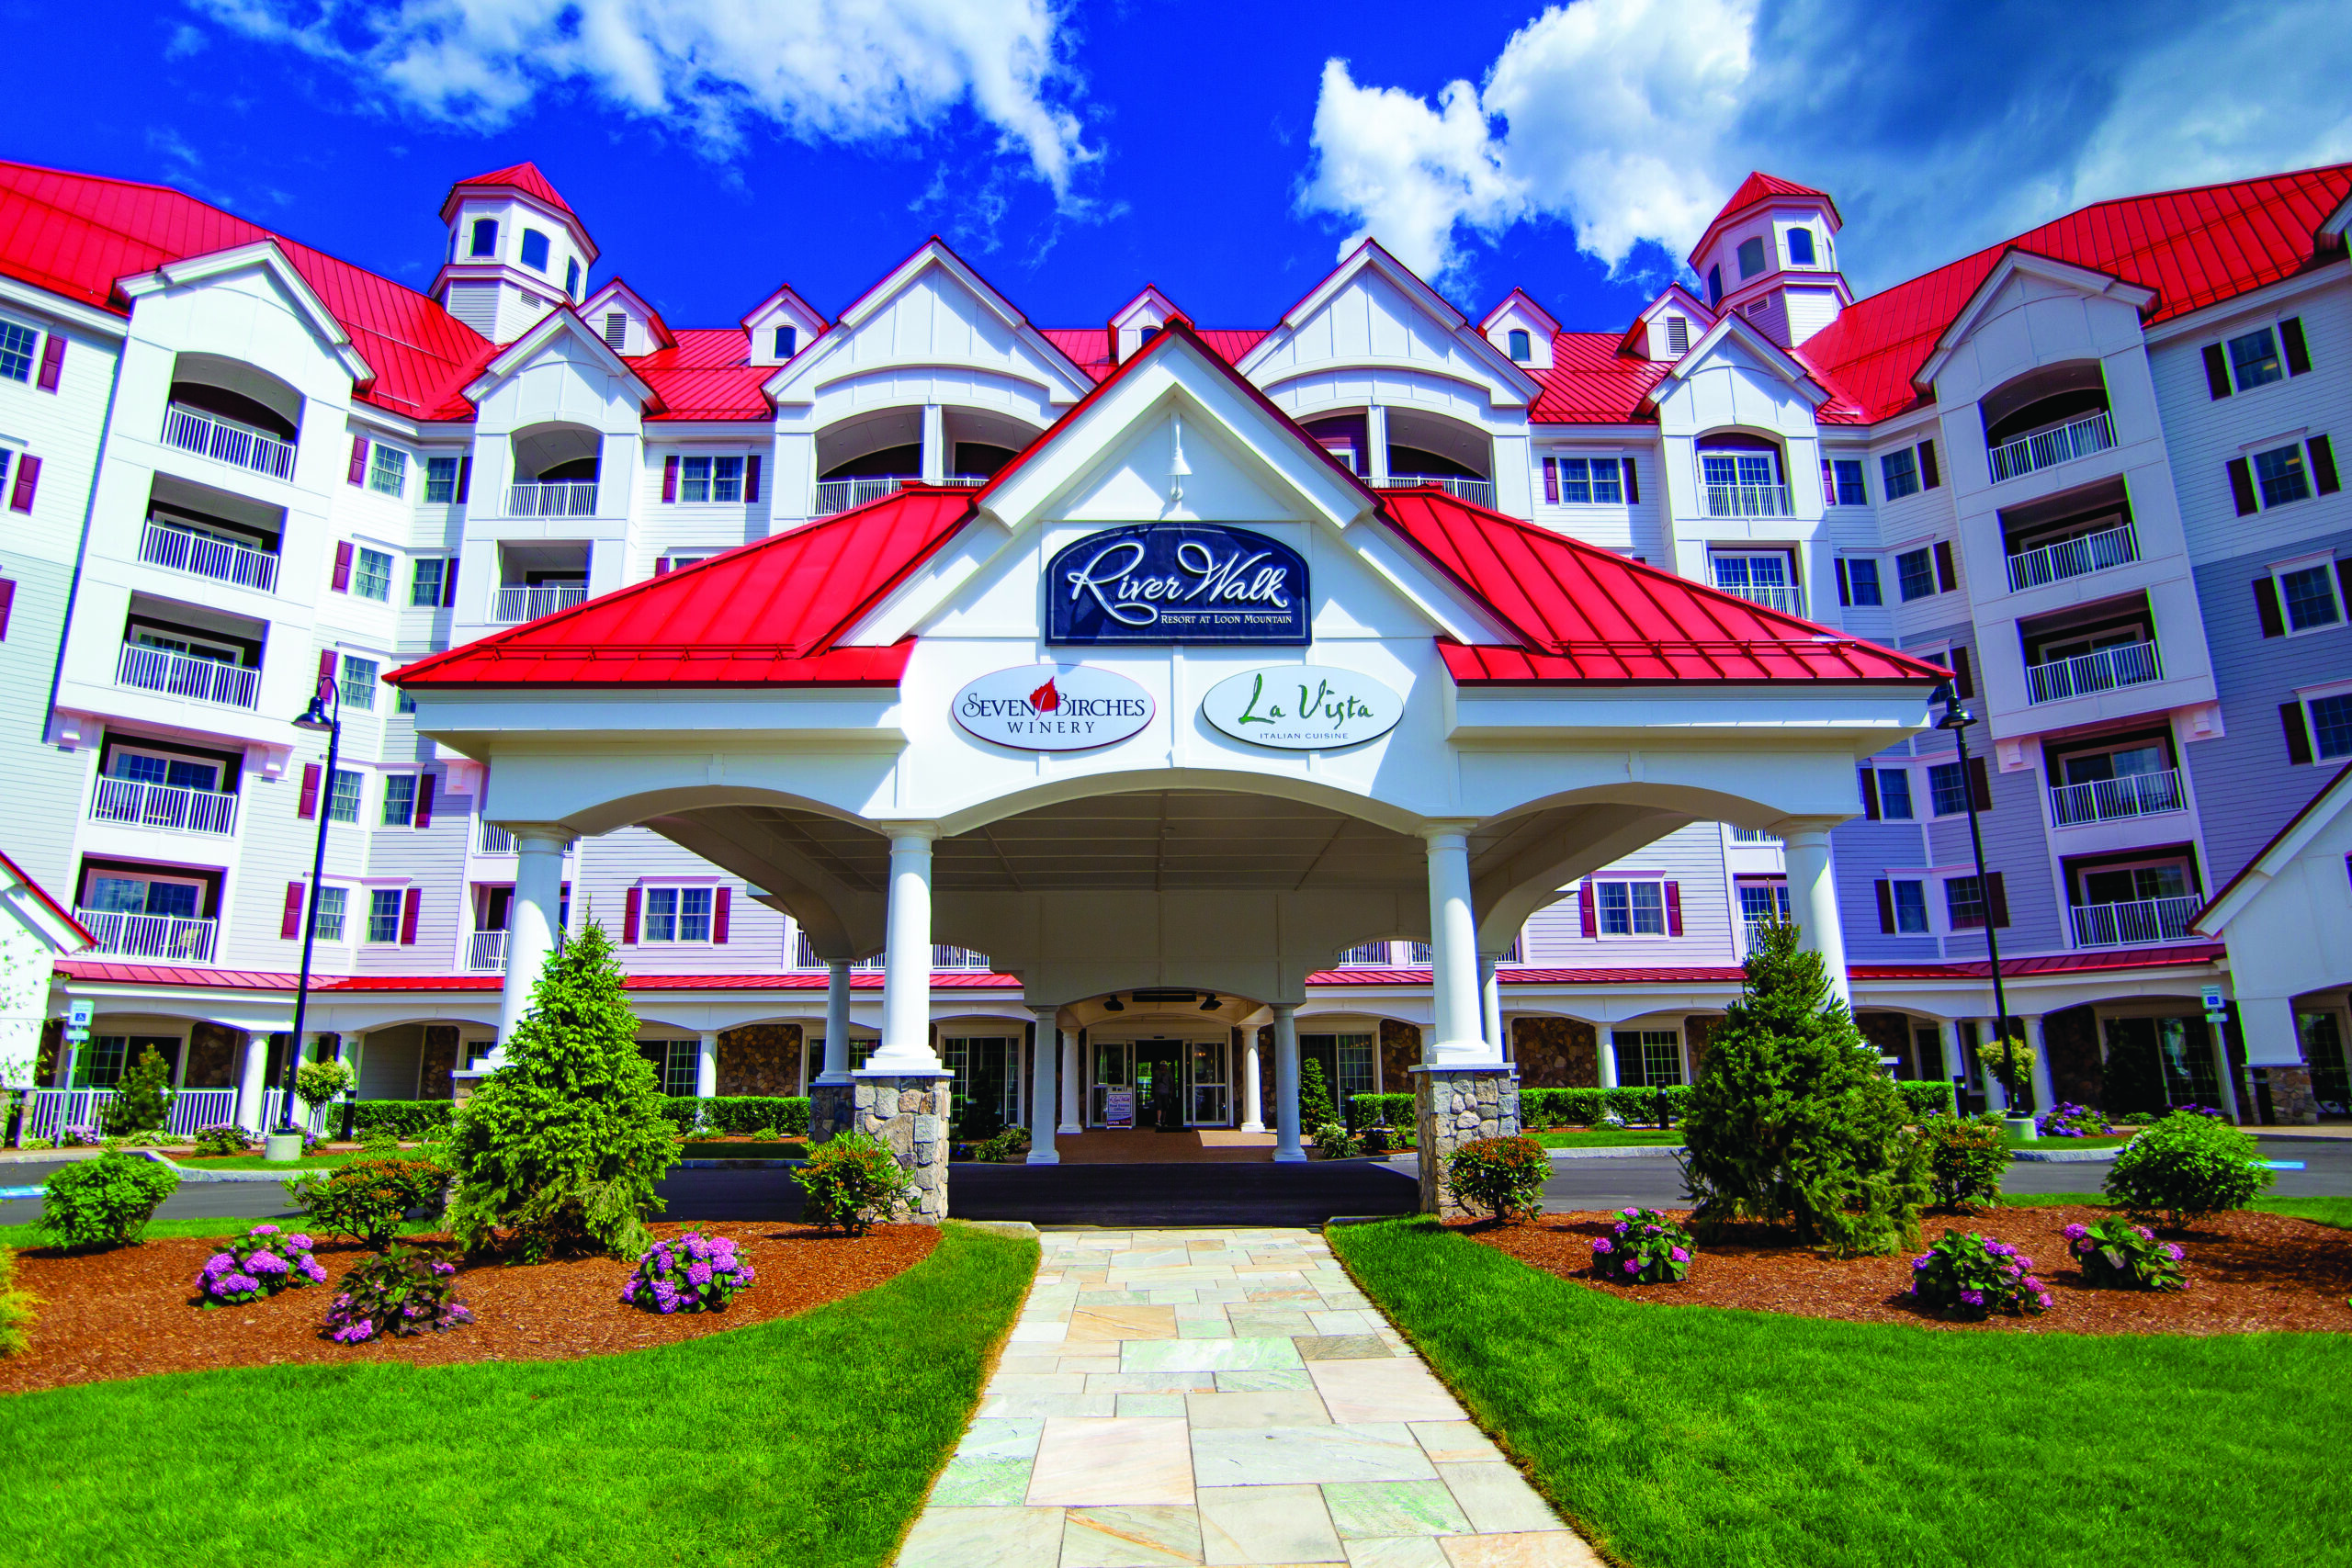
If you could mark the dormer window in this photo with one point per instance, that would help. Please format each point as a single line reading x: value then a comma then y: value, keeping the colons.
x: 788, y: 342
x: 1520, y: 352
x: 1800, y: 247
x: 535, y: 250
x: 485, y: 238
x: 1716, y: 284
x: 1143, y: 338
x: 1678, y: 335
x: 1751, y: 257
x: 616, y: 330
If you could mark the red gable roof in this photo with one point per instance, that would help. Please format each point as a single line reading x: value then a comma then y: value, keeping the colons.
x: 709, y: 375
x: 524, y: 176
x: 1592, y: 381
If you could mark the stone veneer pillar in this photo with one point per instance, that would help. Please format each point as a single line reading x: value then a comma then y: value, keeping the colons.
x: 1452, y: 1105
x: 908, y: 1112
x: 2293, y: 1103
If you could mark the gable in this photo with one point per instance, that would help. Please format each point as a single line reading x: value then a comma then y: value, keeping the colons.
x: 1733, y: 376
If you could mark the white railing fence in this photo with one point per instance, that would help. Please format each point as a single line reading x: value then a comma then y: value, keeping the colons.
x: 218, y: 439
x: 207, y: 680
x: 1786, y: 597
x: 516, y: 603
x: 206, y: 556
x: 839, y: 495
x: 312, y: 1119
x: 2078, y: 557
x: 552, y: 498
x: 2128, y: 925
x: 1749, y: 501
x: 486, y: 952
x: 2109, y: 800
x: 2127, y: 664
x: 47, y: 1109
x: 944, y: 956
x: 2045, y: 448
x: 171, y: 937
x: 163, y: 806
x: 1477, y: 492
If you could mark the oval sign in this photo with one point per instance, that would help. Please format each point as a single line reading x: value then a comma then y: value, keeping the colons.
x: 1053, y: 707
x: 1302, y: 707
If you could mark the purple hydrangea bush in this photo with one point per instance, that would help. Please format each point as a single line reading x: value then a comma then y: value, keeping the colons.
x: 2072, y: 1120
x: 2118, y: 1254
x: 691, y: 1273
x: 1970, y: 1277
x: 402, y: 1292
x: 256, y: 1266
x: 1645, y: 1247
x: 79, y: 1136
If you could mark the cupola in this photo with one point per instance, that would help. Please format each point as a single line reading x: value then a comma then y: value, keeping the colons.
x: 516, y: 251
x: 1770, y: 256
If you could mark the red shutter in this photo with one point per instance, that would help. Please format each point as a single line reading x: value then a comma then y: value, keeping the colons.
x: 358, y: 460
x: 449, y: 584
x: 27, y: 485
x: 341, y: 583
x: 1980, y: 784
x: 661, y: 567
x: 2299, y: 736
x: 1885, y: 906
x: 2323, y: 455
x: 7, y: 601
x: 2290, y: 339
x: 52, y: 362
x: 289, y: 924
x: 2242, y: 487
x: 2217, y: 372
x: 465, y: 478
x: 629, y: 908
x: 1552, y: 480
x: 1674, y: 909
x: 1845, y: 585
x: 2342, y: 580
x: 1632, y: 486
x: 2265, y: 606
x: 1584, y: 909
x: 425, y: 800
x: 1947, y: 575
x: 326, y: 665
x: 1963, y: 679
x: 309, y: 808
x: 409, y: 906
x: 751, y: 478
x: 1928, y: 476
x: 1996, y: 899
x: 719, y: 912
x: 670, y: 478
x: 1869, y: 779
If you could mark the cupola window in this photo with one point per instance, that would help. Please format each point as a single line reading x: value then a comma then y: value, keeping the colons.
x: 1716, y: 284
x: 485, y: 237
x: 535, y: 250
x: 1800, y: 247
x: 1751, y: 257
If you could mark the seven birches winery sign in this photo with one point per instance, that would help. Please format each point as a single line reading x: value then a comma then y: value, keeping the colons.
x: 1168, y: 582
x: 1053, y: 707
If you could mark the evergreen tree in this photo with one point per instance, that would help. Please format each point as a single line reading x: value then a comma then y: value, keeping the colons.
x: 1314, y: 1098
x: 1791, y: 1120
x: 562, y: 1146
x: 142, y: 1099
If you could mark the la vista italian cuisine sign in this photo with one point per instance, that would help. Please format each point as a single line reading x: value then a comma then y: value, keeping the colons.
x: 1053, y: 707
x: 1166, y: 583
x: 1302, y: 707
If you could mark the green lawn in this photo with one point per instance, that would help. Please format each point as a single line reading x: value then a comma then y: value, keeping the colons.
x: 1608, y: 1137
x: 1704, y: 1437
x: 255, y: 1162
x: 2096, y: 1141
x: 809, y: 1440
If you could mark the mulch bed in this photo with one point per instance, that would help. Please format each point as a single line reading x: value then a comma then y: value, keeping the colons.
x: 2248, y: 1273
x: 131, y: 1311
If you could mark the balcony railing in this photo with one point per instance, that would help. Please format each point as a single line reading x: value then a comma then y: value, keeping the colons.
x: 552, y: 498
x: 184, y: 551
x: 1785, y: 597
x: 2074, y: 557
x: 163, y: 806
x: 1749, y: 501
x: 218, y: 439
x: 167, y: 937
x: 944, y: 956
x: 2112, y: 800
x: 48, y: 1109
x: 486, y: 952
x: 2047, y: 449
x: 1477, y: 492
x: 207, y: 680
x: 2129, y: 925
x: 1755, y: 836
x: 493, y: 839
x: 2101, y: 670
x: 841, y: 495
x: 516, y: 603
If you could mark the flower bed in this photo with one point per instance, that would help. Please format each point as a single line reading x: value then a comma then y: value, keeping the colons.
x: 256, y: 1266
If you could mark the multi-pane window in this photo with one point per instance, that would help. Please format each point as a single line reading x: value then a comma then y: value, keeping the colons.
x: 399, y: 799
x: 2332, y: 724
x: 1894, y: 794
x: 403, y: 702
x: 1914, y: 574
x: 677, y: 914
x: 1964, y: 903
x: 327, y: 910
x: 1739, y: 469
x: 371, y: 574
x: 430, y: 573
x: 1631, y: 908
x: 17, y: 345
x: 1648, y: 1059
x: 1761, y: 901
x: 342, y: 797
x: 359, y: 682
x: 1910, y: 900
x: 2309, y: 595
x: 440, y: 481
x: 388, y: 470
x: 384, y: 915
x: 710, y: 479
x: 2254, y: 359
x: 1861, y: 581
x: 1588, y: 479
x: 675, y: 1060
x: 1947, y: 789
x: 1841, y: 482
x: 2281, y: 477
x: 1900, y: 471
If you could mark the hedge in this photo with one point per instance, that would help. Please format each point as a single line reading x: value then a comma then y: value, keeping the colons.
x: 788, y: 1114
x: 402, y: 1117
x: 1388, y: 1110
x: 1585, y: 1107
x: 1930, y: 1097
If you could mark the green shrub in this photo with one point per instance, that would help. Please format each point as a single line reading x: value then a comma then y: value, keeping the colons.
x: 105, y: 1201
x: 1007, y: 1142
x: 1504, y: 1175
x: 318, y: 1083
x: 562, y: 1146
x: 16, y: 1306
x: 1928, y: 1096
x: 1971, y: 1278
x: 1791, y: 1120
x: 367, y: 1200
x: 379, y: 1142
x: 2185, y: 1166
x: 2126, y: 1256
x: 403, y: 1117
x: 1645, y: 1247
x: 223, y: 1138
x: 402, y: 1292
x: 142, y: 1101
x: 1383, y: 1110
x: 1966, y: 1158
x: 1632, y: 1106
x: 740, y: 1113
x: 1561, y: 1107
x: 1315, y: 1107
x: 1335, y: 1142
x: 851, y: 1180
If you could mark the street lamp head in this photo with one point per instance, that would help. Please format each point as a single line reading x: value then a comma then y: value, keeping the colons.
x: 315, y: 716
x: 1955, y: 717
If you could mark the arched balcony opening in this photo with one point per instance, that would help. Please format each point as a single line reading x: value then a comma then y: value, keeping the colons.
x: 1426, y: 448
x: 556, y: 470
x: 2047, y: 417
x: 866, y: 458
x: 1744, y: 474
x: 234, y: 414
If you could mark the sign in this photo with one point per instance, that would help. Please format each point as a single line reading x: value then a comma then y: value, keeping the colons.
x: 1302, y: 707
x: 1053, y: 707
x: 1162, y: 583
x: 81, y: 1012
x: 2216, y: 999
x: 1118, y: 1107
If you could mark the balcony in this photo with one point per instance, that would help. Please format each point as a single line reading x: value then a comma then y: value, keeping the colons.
x: 207, y: 435
x: 163, y: 806
x: 841, y: 496
x: 1786, y: 597
x: 493, y: 839
x: 944, y: 956
x: 2074, y: 557
x: 178, y: 674
x: 552, y: 498
x: 2113, y: 800
x: 204, y: 557
x: 1755, y: 836
x: 2142, y: 922
x: 1477, y: 492
x: 2048, y: 448
x: 515, y: 602
x: 170, y: 938
x: 1749, y: 501
x: 486, y: 952
x: 2101, y: 670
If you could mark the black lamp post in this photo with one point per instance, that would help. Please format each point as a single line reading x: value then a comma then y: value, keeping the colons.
x: 325, y: 712
x: 1957, y: 719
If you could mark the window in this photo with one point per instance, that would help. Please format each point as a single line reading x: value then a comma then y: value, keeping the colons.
x: 1910, y: 902
x: 572, y: 277
x: 1861, y: 581
x: 1740, y: 468
x: 788, y: 342
x: 1900, y: 470
x: 1767, y: 574
x: 1947, y: 789
x: 399, y: 799
x: 1915, y: 573
x: 1964, y: 903
x: 1716, y: 284
x: 1751, y: 258
x: 1760, y: 901
x: 2332, y: 724
x: 678, y: 1062
x: 175, y: 897
x: 358, y: 683
x: 2309, y: 595
x: 429, y: 574
x: 2254, y: 359
x: 1678, y: 335
x: 1588, y: 479
x: 159, y: 768
x: 710, y: 479
x: 1800, y: 247
x: 371, y: 573
x: 17, y: 346
x: 388, y: 470
x: 1631, y: 908
x: 2138, y: 883
x: 485, y: 242
x: 1841, y: 482
x: 384, y: 915
x: 677, y: 914
x: 1894, y: 794
x: 343, y: 800
x: 535, y: 250
x: 326, y: 912
x: 404, y: 703
x: 1648, y: 1059
x: 2281, y: 476
x: 440, y: 481
x: 1520, y: 352
x: 615, y: 330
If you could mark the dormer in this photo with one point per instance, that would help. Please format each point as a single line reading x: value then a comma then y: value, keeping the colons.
x: 1666, y: 328
x: 781, y: 325
x: 1138, y: 321
x: 628, y: 325
x: 1770, y: 256
x: 516, y: 250
x: 1523, y: 330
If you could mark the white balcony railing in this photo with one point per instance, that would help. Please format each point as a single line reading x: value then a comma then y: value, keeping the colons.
x: 1786, y: 597
x: 515, y: 603
x: 1477, y: 492
x: 217, y: 438
x: 168, y: 937
x: 205, y: 557
x: 2112, y: 800
x: 1749, y: 501
x: 2047, y: 449
x: 2078, y: 557
x: 944, y: 956
x: 486, y: 952
x: 493, y: 839
x: 1754, y: 836
x: 163, y: 806
x: 841, y: 495
x: 552, y: 498
x: 207, y: 680
x: 2129, y: 925
x: 2101, y: 670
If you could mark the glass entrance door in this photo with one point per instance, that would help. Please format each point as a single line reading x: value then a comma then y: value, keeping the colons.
x: 1206, y: 1072
x: 1111, y: 1063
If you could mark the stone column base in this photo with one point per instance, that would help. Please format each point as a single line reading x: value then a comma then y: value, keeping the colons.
x: 909, y: 1112
x: 1451, y: 1107
x: 2293, y: 1104
x: 831, y: 1108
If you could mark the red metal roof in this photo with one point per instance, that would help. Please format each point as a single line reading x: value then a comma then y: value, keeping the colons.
x: 709, y: 375
x: 1591, y: 382
x: 1089, y: 347
x: 524, y: 176
x: 345, y: 985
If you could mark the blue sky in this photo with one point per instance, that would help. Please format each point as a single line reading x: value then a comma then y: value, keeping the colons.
x: 1226, y: 152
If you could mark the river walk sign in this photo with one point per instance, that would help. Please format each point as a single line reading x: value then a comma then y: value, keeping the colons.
x: 1177, y: 583
x: 1302, y: 707
x: 1053, y: 707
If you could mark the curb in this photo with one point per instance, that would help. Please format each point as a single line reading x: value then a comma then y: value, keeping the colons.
x: 189, y: 1173
x: 2067, y: 1157
x: 1626, y: 1151
x: 1021, y: 1230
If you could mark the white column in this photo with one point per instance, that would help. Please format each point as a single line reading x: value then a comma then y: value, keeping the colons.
x: 935, y: 444
x: 2044, y: 1097
x: 1042, y: 1086
x: 1605, y: 1053
x: 906, y: 959
x: 836, y: 1023
x: 1253, y: 1109
x: 1072, y: 1124
x: 1286, y: 1149
x: 1490, y: 1006
x: 2229, y: 1079
x: 531, y: 922
x: 1812, y: 899
x: 1456, y: 1039
x: 1375, y: 438
x: 706, y: 1065
x: 249, y: 1084
x: 1955, y: 1063
x: 1988, y: 1065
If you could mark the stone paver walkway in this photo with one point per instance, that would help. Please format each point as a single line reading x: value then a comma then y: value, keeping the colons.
x: 1222, y: 1396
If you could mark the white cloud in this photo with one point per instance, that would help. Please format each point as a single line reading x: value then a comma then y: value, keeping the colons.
x: 1408, y: 173
x: 818, y: 70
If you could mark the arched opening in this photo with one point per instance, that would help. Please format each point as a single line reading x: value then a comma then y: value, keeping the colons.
x: 870, y: 456
x: 556, y: 470
x: 1431, y: 449
x: 979, y: 441
x: 233, y: 412
x: 1744, y: 473
x: 2047, y: 417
